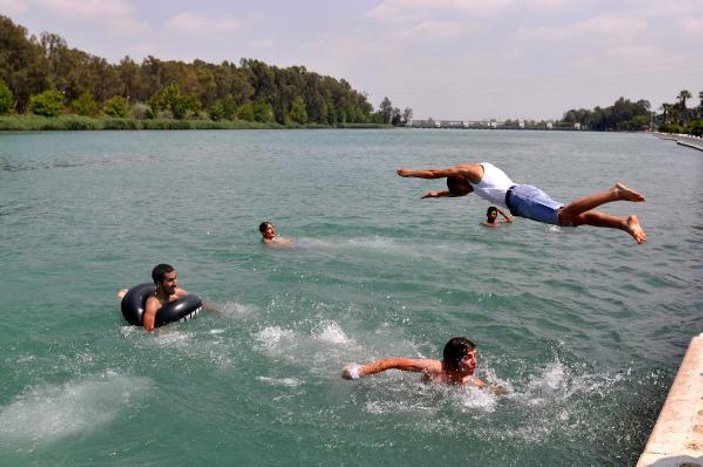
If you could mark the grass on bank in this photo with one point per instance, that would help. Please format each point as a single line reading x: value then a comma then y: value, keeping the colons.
x: 78, y: 122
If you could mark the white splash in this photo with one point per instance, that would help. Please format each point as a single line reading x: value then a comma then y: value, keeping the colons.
x: 47, y: 413
x: 331, y: 332
x: 273, y: 334
x: 287, y: 382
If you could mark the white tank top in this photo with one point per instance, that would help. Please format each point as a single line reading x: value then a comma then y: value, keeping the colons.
x: 494, y: 184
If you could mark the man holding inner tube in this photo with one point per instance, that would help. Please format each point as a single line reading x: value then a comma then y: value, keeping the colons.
x: 165, y: 278
x: 167, y: 290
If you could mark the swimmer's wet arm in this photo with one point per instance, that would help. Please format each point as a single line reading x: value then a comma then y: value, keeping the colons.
x: 404, y: 364
x: 505, y: 216
x: 427, y: 173
x: 150, y: 314
x: 494, y: 388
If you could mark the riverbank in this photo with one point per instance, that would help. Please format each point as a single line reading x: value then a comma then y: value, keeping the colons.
x: 682, y: 139
x: 79, y: 122
x: 677, y: 437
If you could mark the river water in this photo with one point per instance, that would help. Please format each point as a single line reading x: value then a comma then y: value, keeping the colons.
x: 583, y: 326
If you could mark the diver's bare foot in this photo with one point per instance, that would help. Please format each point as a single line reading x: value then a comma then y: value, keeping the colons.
x: 635, y: 229
x: 627, y: 194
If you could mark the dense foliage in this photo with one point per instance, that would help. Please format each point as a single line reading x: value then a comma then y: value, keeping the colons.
x: 623, y: 115
x: 5, y: 98
x: 677, y: 118
x: 252, y: 90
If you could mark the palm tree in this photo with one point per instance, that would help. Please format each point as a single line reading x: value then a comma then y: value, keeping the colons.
x: 683, y: 95
x: 666, y: 108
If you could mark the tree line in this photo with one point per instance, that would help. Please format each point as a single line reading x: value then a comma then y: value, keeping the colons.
x: 44, y: 76
x: 625, y: 115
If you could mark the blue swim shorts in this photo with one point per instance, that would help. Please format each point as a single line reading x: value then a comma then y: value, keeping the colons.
x: 533, y: 203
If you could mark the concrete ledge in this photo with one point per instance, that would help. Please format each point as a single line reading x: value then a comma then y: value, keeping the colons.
x: 689, y: 145
x: 677, y: 437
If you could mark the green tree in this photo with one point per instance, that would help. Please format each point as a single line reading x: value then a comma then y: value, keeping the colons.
x: 263, y: 112
x: 682, y: 97
x: 385, y: 110
x: 116, y: 107
x: 407, y: 115
x: 246, y: 112
x: 85, y: 105
x: 172, y: 99
x: 5, y: 98
x: 48, y: 103
x: 23, y: 66
x: 297, y: 112
x: 695, y: 128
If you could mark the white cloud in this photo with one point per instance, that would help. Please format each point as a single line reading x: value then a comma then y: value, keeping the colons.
x: 87, y: 8
x: 263, y: 43
x: 436, y: 30
x: 12, y: 7
x: 602, y: 28
x: 693, y: 26
x: 192, y: 23
x: 403, y: 11
x: 115, y: 15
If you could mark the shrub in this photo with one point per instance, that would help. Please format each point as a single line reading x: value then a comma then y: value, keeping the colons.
x: 116, y: 107
x: 85, y: 105
x: 5, y: 98
x: 48, y: 103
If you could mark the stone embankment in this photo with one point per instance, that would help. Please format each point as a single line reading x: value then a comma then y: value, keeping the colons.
x: 677, y: 437
x: 689, y: 141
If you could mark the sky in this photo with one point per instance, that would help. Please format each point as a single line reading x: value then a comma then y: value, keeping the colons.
x: 445, y: 59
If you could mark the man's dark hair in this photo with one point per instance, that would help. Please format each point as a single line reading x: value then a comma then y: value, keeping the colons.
x: 459, y: 185
x: 263, y: 225
x: 159, y: 271
x: 453, y: 182
x: 455, y: 350
x: 491, y: 209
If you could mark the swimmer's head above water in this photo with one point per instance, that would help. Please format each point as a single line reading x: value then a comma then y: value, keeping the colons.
x: 459, y: 355
x: 271, y: 238
x: 491, y: 214
x: 268, y: 231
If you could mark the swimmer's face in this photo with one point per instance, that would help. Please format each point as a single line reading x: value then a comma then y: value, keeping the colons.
x: 492, y: 216
x: 270, y: 232
x: 469, y: 363
x: 170, y: 283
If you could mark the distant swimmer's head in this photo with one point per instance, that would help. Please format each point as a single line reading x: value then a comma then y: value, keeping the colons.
x: 268, y: 231
x: 460, y: 354
x: 491, y: 214
x: 458, y: 185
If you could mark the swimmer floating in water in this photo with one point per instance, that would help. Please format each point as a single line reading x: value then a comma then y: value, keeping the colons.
x: 492, y: 218
x: 457, y: 366
x: 165, y: 278
x: 492, y: 184
x: 269, y: 237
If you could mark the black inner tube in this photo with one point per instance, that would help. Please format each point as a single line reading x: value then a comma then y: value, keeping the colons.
x: 134, y: 302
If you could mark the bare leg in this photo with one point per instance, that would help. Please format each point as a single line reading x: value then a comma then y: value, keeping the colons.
x: 629, y: 224
x: 618, y: 192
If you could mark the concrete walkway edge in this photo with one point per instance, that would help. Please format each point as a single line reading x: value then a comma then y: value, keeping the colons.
x: 677, y: 437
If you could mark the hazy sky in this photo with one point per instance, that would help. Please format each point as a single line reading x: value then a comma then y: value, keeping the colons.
x: 446, y: 59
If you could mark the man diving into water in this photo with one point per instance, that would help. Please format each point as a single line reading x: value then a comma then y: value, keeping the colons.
x: 493, y: 185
